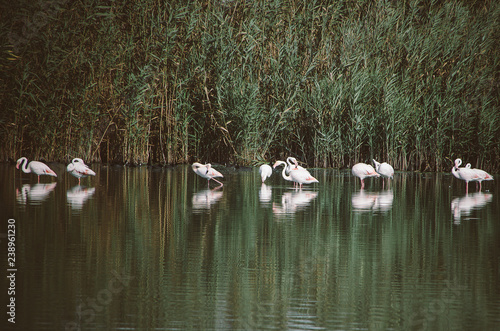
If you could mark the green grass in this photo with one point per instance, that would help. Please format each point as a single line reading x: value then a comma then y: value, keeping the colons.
x: 411, y: 83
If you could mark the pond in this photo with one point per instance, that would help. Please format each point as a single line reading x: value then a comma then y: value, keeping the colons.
x: 156, y: 249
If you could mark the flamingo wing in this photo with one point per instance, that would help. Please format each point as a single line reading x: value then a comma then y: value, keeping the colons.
x: 41, y: 168
x: 83, y: 169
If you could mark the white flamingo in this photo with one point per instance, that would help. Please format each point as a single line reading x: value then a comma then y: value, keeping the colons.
x: 265, y: 172
x: 206, y: 171
x: 292, y: 164
x: 464, y: 173
x: 384, y: 169
x: 363, y: 170
x: 36, y: 167
x: 79, y: 169
x: 482, y: 175
x: 297, y: 176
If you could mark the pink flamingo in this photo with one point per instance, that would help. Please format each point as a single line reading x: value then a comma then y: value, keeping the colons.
x: 466, y: 174
x: 384, y: 169
x: 206, y: 171
x: 483, y: 175
x: 265, y: 172
x: 79, y: 169
x: 363, y: 170
x: 36, y: 167
x: 297, y: 176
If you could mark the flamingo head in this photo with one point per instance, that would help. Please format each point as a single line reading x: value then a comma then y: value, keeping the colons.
x: 19, y: 162
x: 196, y: 165
x: 278, y: 163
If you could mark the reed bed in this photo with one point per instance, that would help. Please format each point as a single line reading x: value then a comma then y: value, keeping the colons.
x: 413, y: 83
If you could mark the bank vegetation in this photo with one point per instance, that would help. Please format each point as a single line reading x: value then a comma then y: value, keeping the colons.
x: 413, y: 83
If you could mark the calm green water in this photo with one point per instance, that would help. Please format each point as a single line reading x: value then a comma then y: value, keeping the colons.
x: 153, y: 249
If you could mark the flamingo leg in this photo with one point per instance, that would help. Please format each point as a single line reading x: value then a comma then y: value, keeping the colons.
x: 362, y: 184
x: 38, y: 179
x: 217, y: 181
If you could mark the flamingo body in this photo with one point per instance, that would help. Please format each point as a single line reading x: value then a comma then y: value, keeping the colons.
x: 297, y: 176
x: 292, y: 164
x: 466, y: 174
x: 482, y: 175
x: 79, y: 169
x: 36, y: 167
x: 265, y: 172
x: 363, y: 170
x: 206, y: 171
x: 384, y: 169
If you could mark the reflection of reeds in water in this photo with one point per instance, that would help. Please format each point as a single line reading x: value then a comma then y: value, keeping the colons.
x: 149, y: 82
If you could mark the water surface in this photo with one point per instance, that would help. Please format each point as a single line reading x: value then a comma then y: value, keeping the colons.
x: 156, y: 249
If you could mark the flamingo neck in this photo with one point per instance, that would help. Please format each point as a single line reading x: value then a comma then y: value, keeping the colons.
x: 24, y: 166
x: 456, y: 172
x: 284, y: 173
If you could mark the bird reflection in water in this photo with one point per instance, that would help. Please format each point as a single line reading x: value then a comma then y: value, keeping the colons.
x: 372, y: 201
x: 78, y: 195
x: 461, y: 207
x: 205, y: 199
x: 291, y: 202
x: 34, y: 194
x: 265, y: 194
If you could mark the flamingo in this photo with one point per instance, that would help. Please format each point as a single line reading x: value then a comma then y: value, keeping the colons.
x: 384, y: 169
x: 292, y: 164
x: 79, y: 169
x: 297, y: 176
x: 483, y: 175
x: 363, y: 170
x: 465, y: 173
x: 206, y: 171
x: 265, y: 171
x: 36, y: 167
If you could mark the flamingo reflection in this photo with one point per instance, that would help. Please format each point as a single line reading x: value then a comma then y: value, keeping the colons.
x: 291, y: 202
x: 265, y: 194
x: 78, y: 195
x: 34, y: 194
x: 463, y: 206
x: 205, y: 199
x: 372, y: 201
